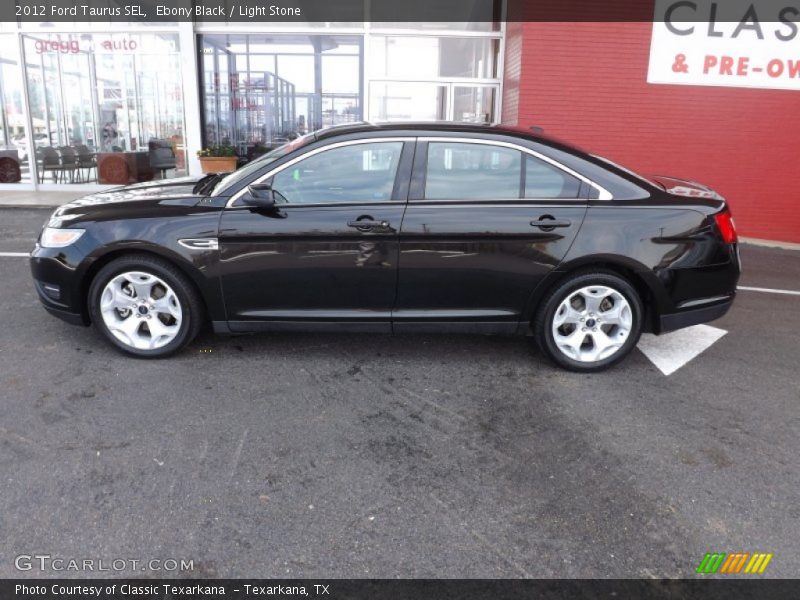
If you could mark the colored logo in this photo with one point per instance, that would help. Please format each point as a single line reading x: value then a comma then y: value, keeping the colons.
x: 737, y: 562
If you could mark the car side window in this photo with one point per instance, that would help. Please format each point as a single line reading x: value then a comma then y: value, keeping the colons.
x: 354, y: 173
x: 462, y: 171
x: 543, y: 180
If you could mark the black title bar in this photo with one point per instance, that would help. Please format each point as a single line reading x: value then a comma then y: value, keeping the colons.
x: 363, y: 589
x: 357, y: 11
x: 287, y: 11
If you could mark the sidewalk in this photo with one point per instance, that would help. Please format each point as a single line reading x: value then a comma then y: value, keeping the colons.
x: 30, y: 198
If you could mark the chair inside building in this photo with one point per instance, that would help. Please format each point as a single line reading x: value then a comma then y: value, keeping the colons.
x: 162, y: 155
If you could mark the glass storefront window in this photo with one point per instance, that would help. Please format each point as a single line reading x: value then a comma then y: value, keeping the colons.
x: 407, y: 101
x: 106, y: 108
x: 281, y: 86
x: 428, y: 101
x: 14, y: 155
x: 474, y: 104
x: 412, y: 57
x: 341, y: 74
x: 430, y: 77
x: 340, y: 108
x: 116, y: 98
x: 299, y: 70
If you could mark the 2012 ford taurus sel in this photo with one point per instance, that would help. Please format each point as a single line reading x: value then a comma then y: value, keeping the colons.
x: 398, y: 228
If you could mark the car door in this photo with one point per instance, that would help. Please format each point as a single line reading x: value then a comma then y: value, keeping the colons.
x: 486, y: 221
x: 327, y: 251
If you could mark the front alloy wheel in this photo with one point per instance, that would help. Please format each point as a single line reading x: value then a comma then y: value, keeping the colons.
x: 141, y: 310
x: 590, y: 321
x: 144, y: 306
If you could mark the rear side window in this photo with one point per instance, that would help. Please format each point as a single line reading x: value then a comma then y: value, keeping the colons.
x: 465, y: 171
x: 543, y: 180
x: 459, y: 171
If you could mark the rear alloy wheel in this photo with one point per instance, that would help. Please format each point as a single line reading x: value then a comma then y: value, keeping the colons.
x: 590, y: 322
x: 144, y: 306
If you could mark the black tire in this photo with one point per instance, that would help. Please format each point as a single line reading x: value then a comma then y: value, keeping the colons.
x: 544, y: 320
x: 190, y: 303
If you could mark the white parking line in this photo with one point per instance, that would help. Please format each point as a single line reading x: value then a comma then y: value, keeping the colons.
x: 669, y: 352
x: 15, y: 254
x: 768, y: 290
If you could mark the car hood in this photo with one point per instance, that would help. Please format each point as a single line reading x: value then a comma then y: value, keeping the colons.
x: 174, y: 192
x: 685, y: 187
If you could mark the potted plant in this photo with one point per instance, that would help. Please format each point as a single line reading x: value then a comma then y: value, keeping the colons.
x: 220, y: 158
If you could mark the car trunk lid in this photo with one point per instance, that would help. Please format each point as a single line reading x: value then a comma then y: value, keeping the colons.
x: 684, y: 187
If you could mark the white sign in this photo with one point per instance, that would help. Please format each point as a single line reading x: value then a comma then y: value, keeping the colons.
x: 737, y: 43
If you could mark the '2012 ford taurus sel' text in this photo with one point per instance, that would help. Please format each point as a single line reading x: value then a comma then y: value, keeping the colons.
x: 398, y: 228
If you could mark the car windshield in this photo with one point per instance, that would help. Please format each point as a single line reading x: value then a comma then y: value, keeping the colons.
x: 231, y: 179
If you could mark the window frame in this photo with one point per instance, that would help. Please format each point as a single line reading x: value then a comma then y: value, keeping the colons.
x: 420, y: 173
x: 397, y: 190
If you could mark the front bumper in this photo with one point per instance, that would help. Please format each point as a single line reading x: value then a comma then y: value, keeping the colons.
x: 65, y: 315
x: 695, y: 316
x: 58, y: 284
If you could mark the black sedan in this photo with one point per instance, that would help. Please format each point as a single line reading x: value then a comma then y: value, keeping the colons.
x: 398, y: 228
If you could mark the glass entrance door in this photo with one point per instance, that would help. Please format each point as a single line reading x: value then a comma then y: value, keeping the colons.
x: 60, y: 94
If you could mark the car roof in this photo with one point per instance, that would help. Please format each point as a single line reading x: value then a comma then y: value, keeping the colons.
x: 444, y: 127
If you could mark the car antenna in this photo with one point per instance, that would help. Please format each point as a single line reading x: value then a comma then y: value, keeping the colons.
x: 537, y: 129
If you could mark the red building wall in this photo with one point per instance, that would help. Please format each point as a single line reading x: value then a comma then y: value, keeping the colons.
x: 587, y: 83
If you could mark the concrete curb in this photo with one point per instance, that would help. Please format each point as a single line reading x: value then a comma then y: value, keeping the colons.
x: 37, y: 206
x: 769, y: 243
x: 31, y: 199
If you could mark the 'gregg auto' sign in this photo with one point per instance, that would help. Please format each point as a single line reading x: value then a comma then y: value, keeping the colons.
x: 737, y: 43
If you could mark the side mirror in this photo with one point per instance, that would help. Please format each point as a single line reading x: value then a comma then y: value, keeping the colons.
x: 259, y: 195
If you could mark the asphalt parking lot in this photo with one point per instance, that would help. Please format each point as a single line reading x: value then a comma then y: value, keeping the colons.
x: 316, y: 455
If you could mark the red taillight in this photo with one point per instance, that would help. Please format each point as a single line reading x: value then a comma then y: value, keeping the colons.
x: 726, y: 226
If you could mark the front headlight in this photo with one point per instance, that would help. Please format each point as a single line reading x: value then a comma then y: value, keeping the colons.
x: 59, y: 238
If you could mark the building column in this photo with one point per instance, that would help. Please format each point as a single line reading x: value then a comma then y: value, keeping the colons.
x: 512, y: 73
x: 192, y: 134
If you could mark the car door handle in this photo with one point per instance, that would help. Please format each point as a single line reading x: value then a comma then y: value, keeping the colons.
x: 367, y: 225
x: 550, y: 223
